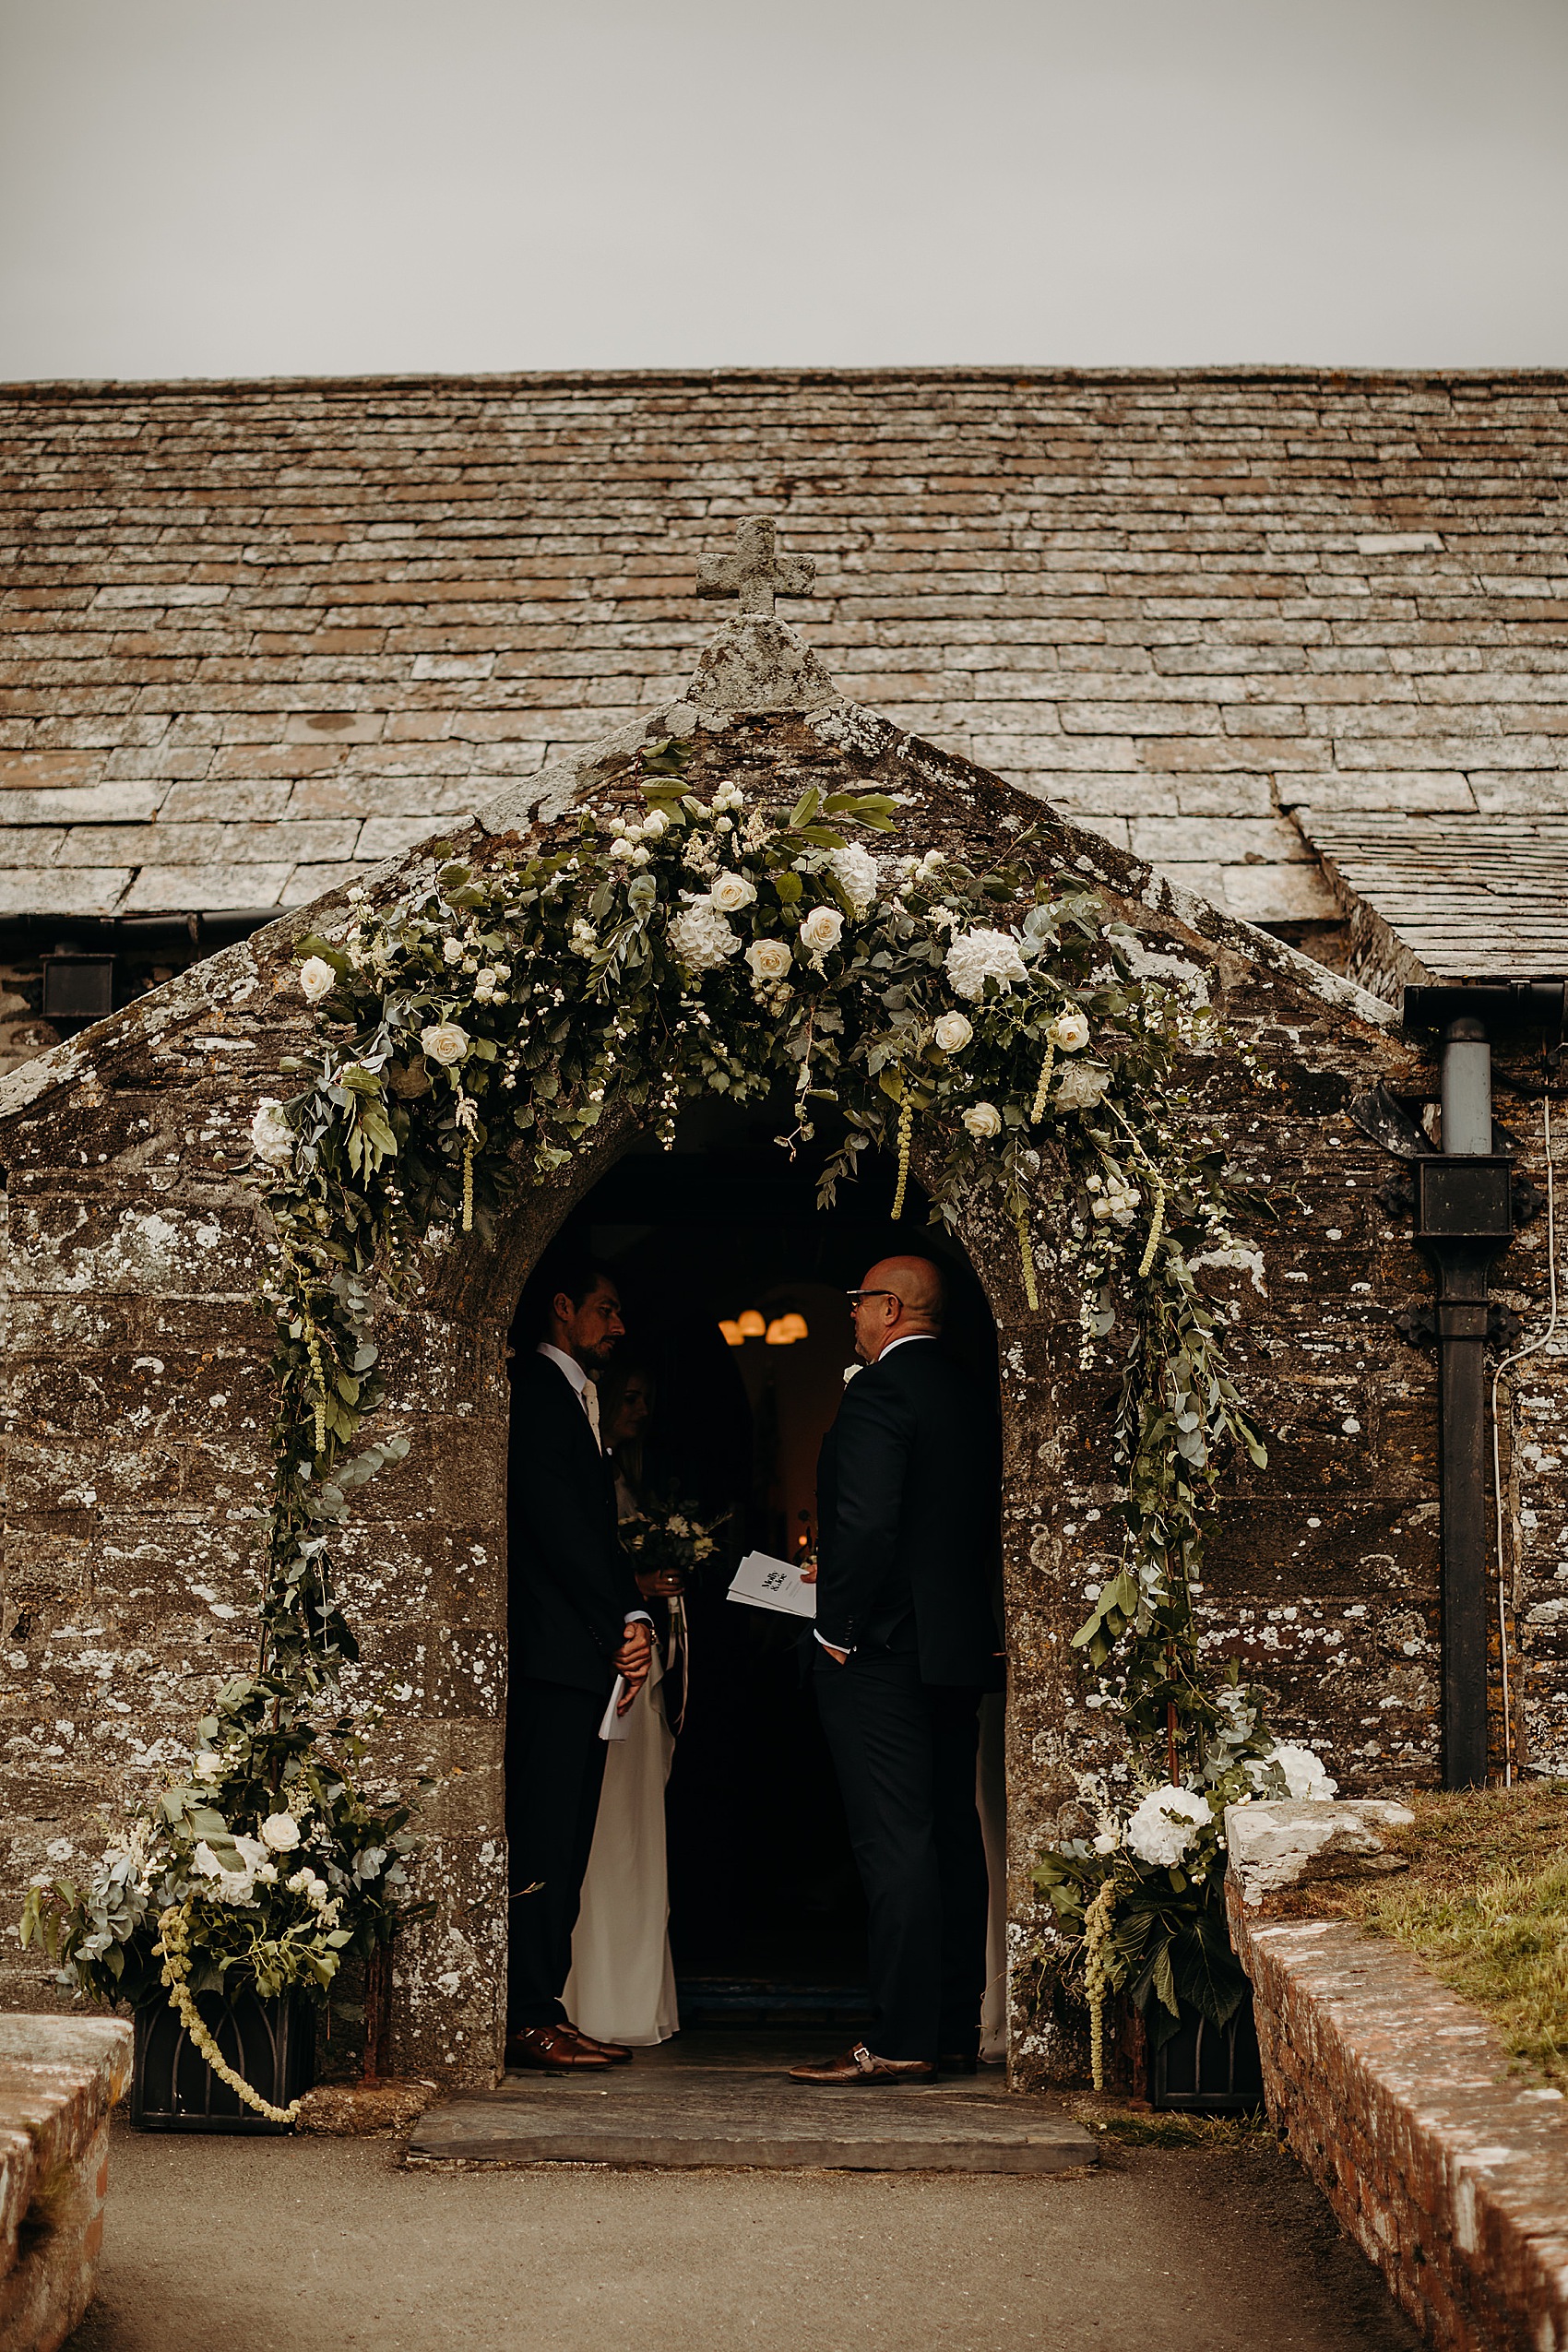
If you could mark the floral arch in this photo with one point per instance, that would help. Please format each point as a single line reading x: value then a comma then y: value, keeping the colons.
x: 489, y: 1034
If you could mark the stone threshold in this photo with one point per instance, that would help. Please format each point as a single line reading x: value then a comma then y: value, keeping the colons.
x: 670, y: 2113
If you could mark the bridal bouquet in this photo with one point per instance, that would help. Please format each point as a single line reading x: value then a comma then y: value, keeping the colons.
x: 670, y: 1541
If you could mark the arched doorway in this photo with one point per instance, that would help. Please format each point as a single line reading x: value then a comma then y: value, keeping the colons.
x: 766, y: 1919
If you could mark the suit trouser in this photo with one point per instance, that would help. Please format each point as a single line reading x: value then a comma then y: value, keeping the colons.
x: 554, y: 1773
x: 904, y: 1751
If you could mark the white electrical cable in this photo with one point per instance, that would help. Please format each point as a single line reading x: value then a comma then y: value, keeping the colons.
x: 1518, y: 1357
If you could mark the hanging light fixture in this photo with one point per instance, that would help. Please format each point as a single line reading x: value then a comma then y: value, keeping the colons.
x: 750, y: 1325
x: 734, y: 1335
x: 794, y: 1326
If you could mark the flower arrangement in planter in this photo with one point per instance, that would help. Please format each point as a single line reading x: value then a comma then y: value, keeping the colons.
x: 263, y: 1869
x: 1142, y: 1902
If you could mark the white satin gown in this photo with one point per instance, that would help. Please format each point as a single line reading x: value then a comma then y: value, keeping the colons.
x: 622, y: 1987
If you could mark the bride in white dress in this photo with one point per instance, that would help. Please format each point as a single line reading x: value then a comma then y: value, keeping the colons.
x: 622, y: 1987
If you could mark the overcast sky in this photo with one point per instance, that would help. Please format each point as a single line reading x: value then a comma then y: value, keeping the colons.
x: 202, y: 187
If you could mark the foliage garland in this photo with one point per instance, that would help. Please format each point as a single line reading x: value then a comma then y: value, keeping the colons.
x: 478, y: 1031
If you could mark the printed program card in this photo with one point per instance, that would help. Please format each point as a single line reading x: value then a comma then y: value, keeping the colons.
x: 761, y: 1583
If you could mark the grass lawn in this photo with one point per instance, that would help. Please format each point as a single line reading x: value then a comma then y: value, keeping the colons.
x: 1485, y: 1905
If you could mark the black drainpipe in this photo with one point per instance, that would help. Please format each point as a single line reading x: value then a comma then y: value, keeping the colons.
x: 1464, y: 1221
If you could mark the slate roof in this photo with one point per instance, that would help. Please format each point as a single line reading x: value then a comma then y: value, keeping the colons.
x: 257, y: 633
x: 1450, y: 896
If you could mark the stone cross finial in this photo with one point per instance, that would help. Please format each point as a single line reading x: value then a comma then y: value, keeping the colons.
x: 755, y: 572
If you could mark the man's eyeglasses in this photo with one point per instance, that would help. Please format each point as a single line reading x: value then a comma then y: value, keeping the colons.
x: 855, y: 1297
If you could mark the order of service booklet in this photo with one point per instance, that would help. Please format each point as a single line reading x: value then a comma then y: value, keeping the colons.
x: 761, y: 1583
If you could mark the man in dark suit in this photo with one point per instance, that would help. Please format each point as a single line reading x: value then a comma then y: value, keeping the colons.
x: 905, y: 1641
x: 575, y: 1621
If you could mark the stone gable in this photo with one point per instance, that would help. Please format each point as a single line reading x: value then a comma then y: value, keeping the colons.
x: 137, y: 1398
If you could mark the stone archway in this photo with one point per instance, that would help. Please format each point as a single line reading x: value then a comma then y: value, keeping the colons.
x: 451, y: 1976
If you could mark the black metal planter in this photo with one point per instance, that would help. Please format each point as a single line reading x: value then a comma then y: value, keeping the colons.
x: 271, y: 2043
x: 1207, y: 2069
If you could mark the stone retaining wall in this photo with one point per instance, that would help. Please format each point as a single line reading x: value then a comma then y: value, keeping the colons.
x: 1395, y: 2096
x: 59, y: 2078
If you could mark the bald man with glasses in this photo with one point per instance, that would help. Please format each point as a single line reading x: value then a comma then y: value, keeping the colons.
x: 909, y: 1490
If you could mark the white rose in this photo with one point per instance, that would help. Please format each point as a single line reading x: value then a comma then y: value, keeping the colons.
x: 1068, y: 1032
x: 621, y: 846
x: 1167, y: 1823
x: 953, y: 1032
x: 207, y: 1765
x: 318, y: 979
x: 822, y: 928
x: 976, y: 957
x: 770, y: 959
x: 1080, y: 1086
x: 280, y: 1833
x: 701, y: 939
x: 272, y: 1138
x: 444, y: 1043
x: 730, y: 891
x: 453, y: 950
x: 983, y: 1121
x: 854, y: 870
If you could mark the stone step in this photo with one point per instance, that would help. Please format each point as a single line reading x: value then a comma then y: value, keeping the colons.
x: 676, y: 2115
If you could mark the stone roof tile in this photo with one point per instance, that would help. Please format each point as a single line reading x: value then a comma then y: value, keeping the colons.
x: 1190, y: 601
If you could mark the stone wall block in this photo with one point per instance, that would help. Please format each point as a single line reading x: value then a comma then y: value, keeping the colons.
x: 1399, y: 2099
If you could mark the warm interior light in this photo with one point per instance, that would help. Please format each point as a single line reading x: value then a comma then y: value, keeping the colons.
x: 795, y: 1325
x: 750, y: 1325
x: 734, y: 1335
x: 778, y: 1334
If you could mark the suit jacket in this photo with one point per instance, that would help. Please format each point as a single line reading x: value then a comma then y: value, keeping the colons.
x: 909, y: 1500
x: 569, y: 1585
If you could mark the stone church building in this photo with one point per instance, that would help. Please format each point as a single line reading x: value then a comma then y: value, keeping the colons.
x: 1276, y: 661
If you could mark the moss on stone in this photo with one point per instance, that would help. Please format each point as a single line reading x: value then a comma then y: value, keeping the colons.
x: 1485, y: 1905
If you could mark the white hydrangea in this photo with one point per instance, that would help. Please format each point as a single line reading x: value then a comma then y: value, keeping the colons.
x: 272, y: 1138
x: 854, y: 870
x: 1080, y: 1086
x: 700, y: 938
x: 1306, y: 1778
x: 976, y: 957
x: 1167, y: 1823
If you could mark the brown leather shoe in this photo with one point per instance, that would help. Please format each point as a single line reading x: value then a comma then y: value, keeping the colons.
x: 552, y: 2049
x: 861, y: 2065
x: 616, y: 2053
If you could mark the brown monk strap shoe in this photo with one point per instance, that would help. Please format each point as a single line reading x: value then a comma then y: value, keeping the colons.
x: 861, y: 2065
x: 552, y: 2049
x: 616, y: 2053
